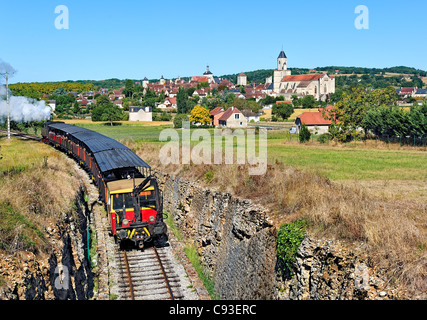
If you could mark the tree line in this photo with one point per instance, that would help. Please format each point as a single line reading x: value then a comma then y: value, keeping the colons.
x: 362, y: 111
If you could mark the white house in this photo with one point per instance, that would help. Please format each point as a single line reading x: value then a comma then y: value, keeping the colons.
x: 140, y: 114
x: 251, y: 116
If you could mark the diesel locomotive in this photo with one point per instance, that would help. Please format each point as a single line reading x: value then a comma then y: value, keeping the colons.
x: 128, y: 190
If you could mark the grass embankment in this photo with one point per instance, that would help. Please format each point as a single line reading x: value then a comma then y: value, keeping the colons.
x: 191, y: 252
x: 34, y: 190
x: 350, y: 192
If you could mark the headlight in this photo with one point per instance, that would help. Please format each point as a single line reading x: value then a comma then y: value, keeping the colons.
x: 152, y: 219
x: 125, y: 222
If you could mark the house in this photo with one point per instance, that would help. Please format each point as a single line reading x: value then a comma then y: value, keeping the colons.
x: 420, y: 93
x: 216, y: 114
x: 406, y: 92
x: 251, y: 116
x: 315, y: 122
x: 233, y: 118
x: 242, y: 79
x: 169, y: 104
x: 140, y: 114
x: 118, y: 103
x: 52, y: 105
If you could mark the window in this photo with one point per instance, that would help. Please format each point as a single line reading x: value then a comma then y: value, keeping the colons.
x: 236, y: 116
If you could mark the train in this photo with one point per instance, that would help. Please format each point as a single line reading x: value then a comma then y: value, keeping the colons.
x: 127, y: 187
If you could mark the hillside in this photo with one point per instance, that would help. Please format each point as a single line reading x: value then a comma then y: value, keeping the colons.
x: 346, y: 76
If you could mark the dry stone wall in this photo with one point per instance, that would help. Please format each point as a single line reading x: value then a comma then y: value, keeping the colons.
x: 62, y: 274
x: 234, y: 238
x: 237, y: 245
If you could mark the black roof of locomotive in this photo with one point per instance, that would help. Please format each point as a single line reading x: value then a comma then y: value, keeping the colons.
x: 109, y: 153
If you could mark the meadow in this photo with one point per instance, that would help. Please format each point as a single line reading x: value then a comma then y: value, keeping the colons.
x: 336, y: 162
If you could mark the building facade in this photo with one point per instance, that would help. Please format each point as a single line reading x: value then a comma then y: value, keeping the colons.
x: 319, y: 86
x: 140, y: 114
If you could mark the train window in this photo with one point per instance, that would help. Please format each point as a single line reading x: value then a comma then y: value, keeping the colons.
x: 128, y: 201
x: 118, y: 201
x: 147, y: 195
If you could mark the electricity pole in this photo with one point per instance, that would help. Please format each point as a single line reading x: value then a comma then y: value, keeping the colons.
x: 6, y: 74
x: 8, y: 106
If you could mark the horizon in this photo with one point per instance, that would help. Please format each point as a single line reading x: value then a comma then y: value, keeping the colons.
x: 219, y: 76
x: 108, y: 40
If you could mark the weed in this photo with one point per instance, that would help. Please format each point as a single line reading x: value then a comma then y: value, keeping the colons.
x: 289, y: 239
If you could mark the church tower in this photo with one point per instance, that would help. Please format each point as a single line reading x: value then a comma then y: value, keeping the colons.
x: 280, y: 72
x: 209, y: 74
x: 282, y: 61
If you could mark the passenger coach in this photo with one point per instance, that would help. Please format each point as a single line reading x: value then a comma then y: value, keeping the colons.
x: 129, y: 192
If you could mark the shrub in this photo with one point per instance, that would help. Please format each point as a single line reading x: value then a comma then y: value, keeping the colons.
x: 289, y: 239
x: 304, y: 134
x: 179, y: 118
x: 324, y: 138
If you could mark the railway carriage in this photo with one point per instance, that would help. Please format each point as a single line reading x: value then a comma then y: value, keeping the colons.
x: 129, y: 192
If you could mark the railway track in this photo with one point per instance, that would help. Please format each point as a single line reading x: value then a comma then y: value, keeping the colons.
x: 21, y: 135
x: 147, y: 275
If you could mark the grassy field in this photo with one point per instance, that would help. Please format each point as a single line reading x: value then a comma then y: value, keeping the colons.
x: 343, y: 162
x: 34, y: 187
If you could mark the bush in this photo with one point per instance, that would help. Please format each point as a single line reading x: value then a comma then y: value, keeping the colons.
x: 179, y: 118
x: 325, y: 138
x: 304, y: 134
x: 289, y: 239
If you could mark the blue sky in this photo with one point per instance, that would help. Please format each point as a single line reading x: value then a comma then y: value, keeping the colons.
x: 133, y: 39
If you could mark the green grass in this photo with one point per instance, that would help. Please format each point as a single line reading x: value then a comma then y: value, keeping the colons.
x: 352, y: 163
x: 191, y: 252
x: 346, y: 162
x: 19, y: 156
x: 16, y: 229
x: 136, y: 131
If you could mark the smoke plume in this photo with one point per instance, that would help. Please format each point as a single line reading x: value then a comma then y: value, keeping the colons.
x: 6, y: 68
x: 22, y: 109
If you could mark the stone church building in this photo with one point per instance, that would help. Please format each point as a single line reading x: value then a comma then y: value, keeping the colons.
x: 286, y: 84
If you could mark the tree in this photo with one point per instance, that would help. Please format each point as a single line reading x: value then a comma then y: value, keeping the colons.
x: 181, y: 101
x: 349, y: 113
x: 129, y: 88
x: 200, y: 115
x: 103, y: 101
x: 308, y: 102
x: 111, y: 113
x: 179, y: 118
x: 283, y: 110
x: 60, y: 91
x: 304, y: 134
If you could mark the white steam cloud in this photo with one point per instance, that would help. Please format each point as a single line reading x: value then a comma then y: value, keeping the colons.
x: 22, y: 109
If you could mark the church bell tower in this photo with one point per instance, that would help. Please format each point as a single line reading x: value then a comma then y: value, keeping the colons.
x: 281, y: 72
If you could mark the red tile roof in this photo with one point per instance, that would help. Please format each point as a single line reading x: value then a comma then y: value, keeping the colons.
x: 303, y: 77
x: 227, y: 114
x: 313, y: 118
x: 215, y: 111
x: 200, y: 79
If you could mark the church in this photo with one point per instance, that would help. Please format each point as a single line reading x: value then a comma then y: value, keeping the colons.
x: 284, y: 83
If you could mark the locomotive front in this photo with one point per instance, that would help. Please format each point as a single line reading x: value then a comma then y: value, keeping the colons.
x: 135, y: 210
